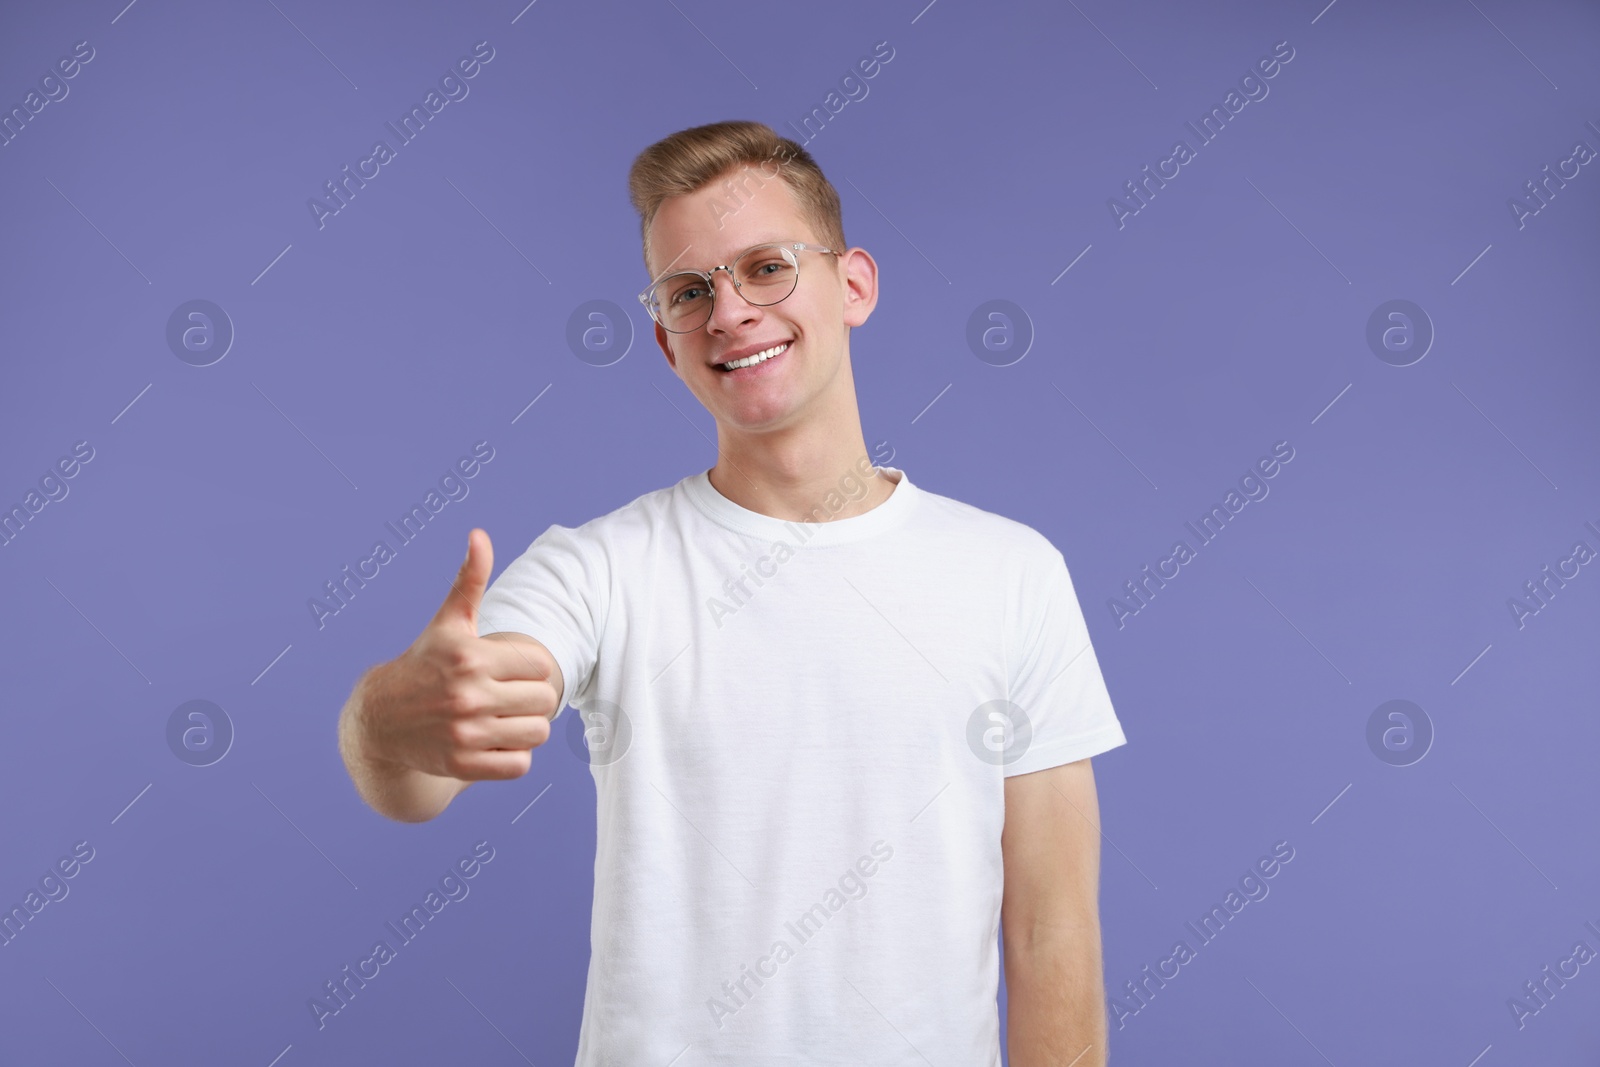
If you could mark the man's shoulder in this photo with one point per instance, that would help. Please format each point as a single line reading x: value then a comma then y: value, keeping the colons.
x: 998, y: 534
x: 638, y: 514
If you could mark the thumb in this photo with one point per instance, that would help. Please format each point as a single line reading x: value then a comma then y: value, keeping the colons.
x: 466, y: 591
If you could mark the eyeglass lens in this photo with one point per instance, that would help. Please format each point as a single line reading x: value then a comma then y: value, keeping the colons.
x: 764, y: 276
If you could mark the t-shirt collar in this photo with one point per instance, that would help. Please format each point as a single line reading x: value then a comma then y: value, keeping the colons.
x: 887, y: 515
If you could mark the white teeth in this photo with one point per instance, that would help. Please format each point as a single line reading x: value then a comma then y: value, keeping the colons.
x: 759, y: 357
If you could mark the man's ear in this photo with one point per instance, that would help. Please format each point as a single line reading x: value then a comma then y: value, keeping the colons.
x: 861, y: 286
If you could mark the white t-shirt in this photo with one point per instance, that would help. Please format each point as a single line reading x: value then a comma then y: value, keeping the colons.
x: 799, y: 739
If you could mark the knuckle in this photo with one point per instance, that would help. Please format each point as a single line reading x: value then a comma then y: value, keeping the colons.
x: 464, y: 737
x: 461, y: 658
x: 462, y: 702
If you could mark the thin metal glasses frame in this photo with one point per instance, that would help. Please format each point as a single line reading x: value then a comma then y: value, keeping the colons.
x: 648, y: 296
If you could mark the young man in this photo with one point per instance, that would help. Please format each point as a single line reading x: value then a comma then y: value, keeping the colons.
x: 840, y: 725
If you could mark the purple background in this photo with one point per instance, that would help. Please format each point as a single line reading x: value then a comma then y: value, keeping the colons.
x: 1229, y: 314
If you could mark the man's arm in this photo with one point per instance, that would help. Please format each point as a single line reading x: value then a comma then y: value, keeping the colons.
x: 1050, y: 919
x: 391, y: 789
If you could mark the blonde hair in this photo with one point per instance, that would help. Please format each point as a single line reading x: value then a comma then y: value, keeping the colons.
x: 691, y: 159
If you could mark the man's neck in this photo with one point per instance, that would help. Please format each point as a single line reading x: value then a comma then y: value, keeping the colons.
x: 815, y: 470
x: 797, y: 481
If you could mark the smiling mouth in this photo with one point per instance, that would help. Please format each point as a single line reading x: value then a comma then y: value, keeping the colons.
x: 755, y: 360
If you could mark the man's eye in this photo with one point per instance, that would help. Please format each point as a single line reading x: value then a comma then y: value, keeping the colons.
x: 685, y: 295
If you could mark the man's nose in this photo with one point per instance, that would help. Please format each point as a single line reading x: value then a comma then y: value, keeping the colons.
x: 728, y: 306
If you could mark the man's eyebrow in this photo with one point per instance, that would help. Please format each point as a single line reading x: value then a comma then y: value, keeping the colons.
x: 755, y: 244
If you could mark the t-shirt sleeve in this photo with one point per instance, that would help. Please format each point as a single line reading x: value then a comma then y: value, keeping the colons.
x: 555, y: 593
x: 1055, y: 677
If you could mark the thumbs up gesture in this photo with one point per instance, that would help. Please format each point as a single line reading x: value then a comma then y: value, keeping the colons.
x: 456, y: 705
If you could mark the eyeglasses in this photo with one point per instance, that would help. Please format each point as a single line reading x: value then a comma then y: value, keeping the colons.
x: 764, y: 275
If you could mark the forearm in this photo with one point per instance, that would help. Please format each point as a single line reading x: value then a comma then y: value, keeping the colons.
x: 391, y: 789
x: 1055, y: 999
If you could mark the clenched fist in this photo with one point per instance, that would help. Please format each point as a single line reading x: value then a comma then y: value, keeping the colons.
x: 454, y: 704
